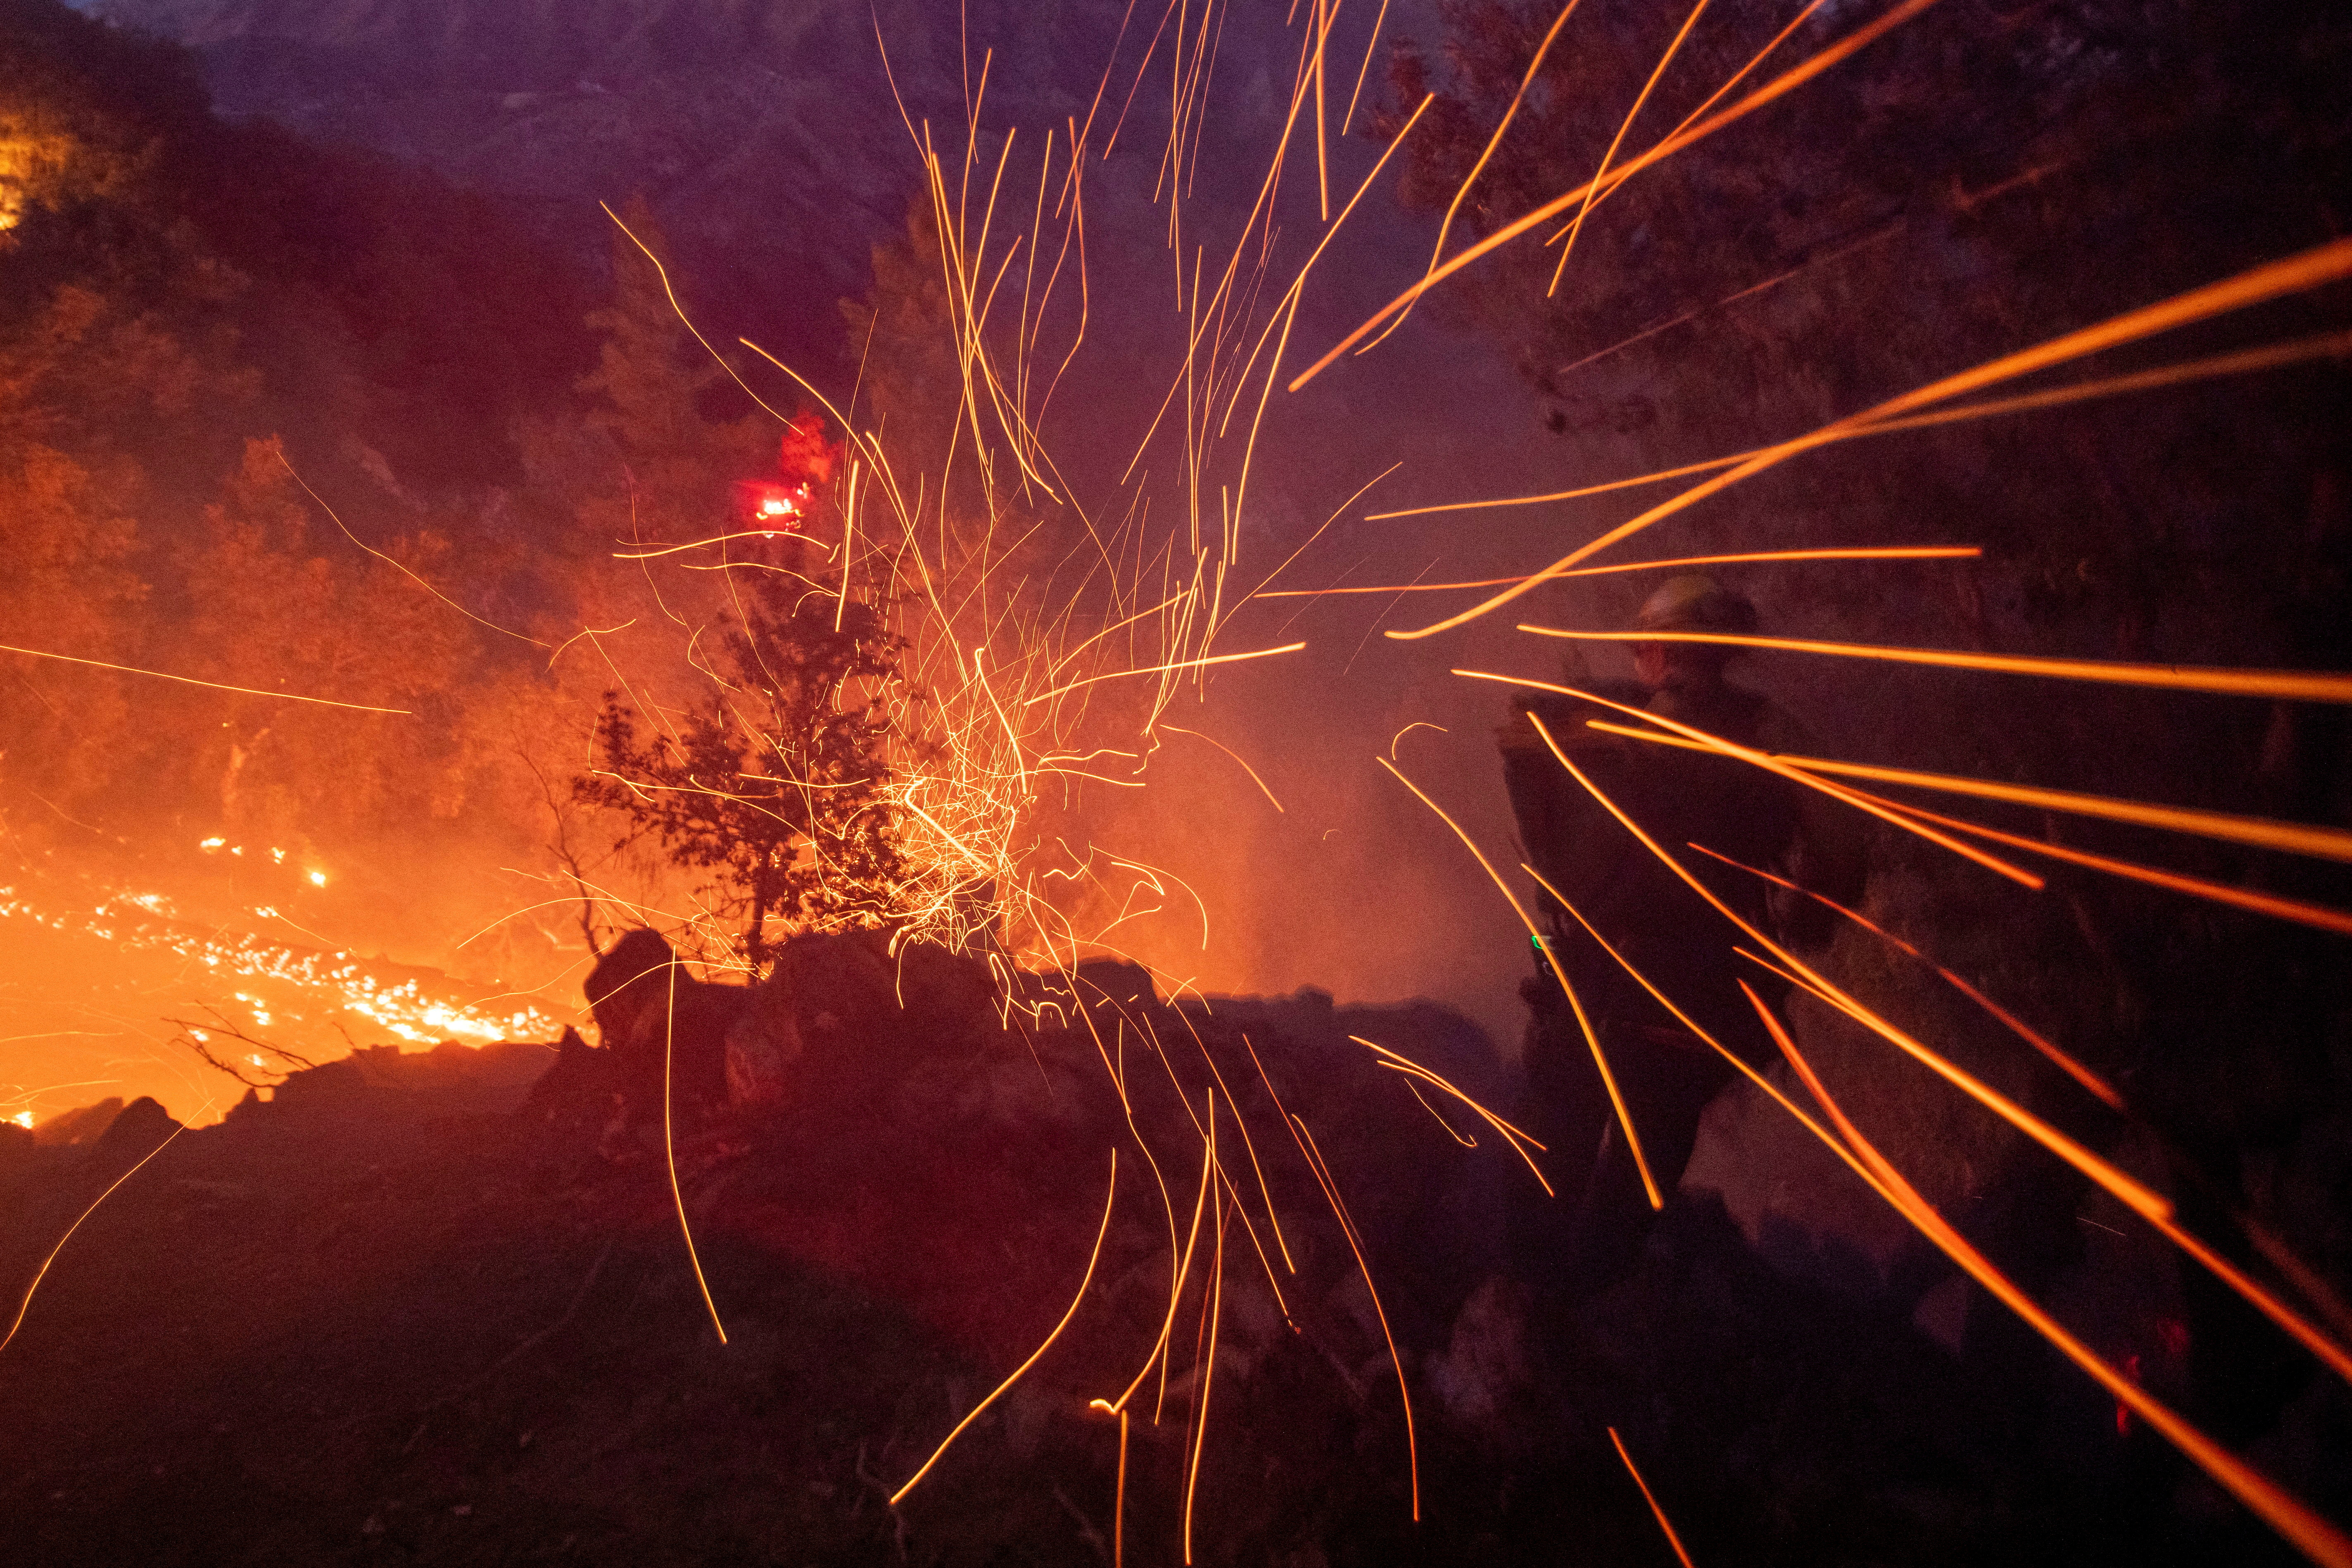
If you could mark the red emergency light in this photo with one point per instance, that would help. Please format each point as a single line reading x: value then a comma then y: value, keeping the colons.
x: 774, y: 507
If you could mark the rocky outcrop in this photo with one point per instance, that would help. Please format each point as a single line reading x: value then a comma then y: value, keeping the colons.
x: 82, y: 1125
x: 667, y: 1030
x: 901, y: 1119
x: 143, y: 1124
x: 841, y: 1012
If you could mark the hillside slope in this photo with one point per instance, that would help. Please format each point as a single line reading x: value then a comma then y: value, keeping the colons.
x: 765, y: 136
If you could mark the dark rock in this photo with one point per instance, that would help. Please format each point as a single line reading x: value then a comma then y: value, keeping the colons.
x: 401, y: 1086
x: 667, y: 1031
x: 136, y: 1132
x: 83, y: 1124
x: 842, y: 1017
x: 1116, y: 981
x: 581, y: 1084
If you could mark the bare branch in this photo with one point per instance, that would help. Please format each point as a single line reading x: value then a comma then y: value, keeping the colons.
x: 562, y: 847
x: 197, y: 1039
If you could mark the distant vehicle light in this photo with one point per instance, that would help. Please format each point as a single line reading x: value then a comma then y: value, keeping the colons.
x: 772, y: 506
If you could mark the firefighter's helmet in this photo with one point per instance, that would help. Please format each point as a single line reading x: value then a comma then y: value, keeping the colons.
x: 1696, y: 603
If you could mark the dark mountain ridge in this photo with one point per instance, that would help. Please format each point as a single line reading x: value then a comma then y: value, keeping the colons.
x: 358, y: 287
x: 765, y: 135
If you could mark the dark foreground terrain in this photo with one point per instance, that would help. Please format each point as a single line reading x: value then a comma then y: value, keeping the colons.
x: 412, y: 1310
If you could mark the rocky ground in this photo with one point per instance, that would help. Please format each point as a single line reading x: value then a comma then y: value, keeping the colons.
x: 437, y: 1308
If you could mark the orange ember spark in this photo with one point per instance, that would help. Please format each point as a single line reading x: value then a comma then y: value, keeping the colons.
x: 2286, y: 685
x: 2133, y: 1194
x: 1593, y: 186
x: 2294, y: 838
x: 1208, y: 1368
x: 1693, y: 737
x: 1789, y: 81
x: 1892, y: 552
x: 2302, y: 914
x: 1462, y: 192
x: 1511, y: 1135
x: 1307, y: 1146
x: 669, y: 1150
x: 1109, y: 1201
x: 2242, y: 362
x: 1591, y: 1041
x: 1165, y: 669
x: 42, y: 1273
x: 2319, y: 1540
x: 1647, y: 1496
x: 211, y: 685
x: 2296, y: 273
x: 2089, y: 1079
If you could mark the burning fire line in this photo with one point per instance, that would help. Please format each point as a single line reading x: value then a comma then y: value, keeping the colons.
x: 330, y: 981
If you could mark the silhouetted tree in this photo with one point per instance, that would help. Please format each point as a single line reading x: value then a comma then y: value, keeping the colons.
x: 778, y: 784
